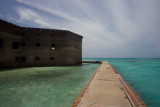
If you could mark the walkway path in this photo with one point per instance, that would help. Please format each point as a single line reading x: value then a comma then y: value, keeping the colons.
x: 105, y: 90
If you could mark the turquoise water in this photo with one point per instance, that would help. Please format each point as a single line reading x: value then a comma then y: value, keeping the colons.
x: 143, y: 75
x: 43, y: 86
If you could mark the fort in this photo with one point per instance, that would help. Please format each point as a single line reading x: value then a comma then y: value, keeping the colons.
x: 24, y: 46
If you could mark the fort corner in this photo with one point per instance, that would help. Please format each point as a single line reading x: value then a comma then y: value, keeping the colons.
x: 22, y: 46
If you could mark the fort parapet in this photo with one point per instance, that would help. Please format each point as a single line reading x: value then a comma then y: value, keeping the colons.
x: 24, y: 46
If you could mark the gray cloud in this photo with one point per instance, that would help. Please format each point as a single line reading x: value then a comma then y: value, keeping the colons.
x: 111, y: 28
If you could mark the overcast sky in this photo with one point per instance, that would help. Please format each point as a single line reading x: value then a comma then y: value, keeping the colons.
x: 111, y: 28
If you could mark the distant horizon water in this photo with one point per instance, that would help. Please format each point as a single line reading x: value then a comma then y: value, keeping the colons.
x: 142, y: 74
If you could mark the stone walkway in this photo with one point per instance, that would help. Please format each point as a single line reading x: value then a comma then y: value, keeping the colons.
x: 105, y: 90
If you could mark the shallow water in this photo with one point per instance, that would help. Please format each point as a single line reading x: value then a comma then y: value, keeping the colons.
x: 43, y: 86
x: 143, y: 75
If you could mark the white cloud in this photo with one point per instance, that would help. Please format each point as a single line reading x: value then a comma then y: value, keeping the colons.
x: 28, y: 15
x: 111, y: 28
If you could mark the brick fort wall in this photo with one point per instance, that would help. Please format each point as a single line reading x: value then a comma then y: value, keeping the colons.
x: 24, y: 46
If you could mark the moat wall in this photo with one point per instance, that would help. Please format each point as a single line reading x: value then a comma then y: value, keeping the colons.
x: 22, y: 46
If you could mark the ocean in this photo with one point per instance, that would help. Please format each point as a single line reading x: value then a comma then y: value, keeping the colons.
x: 142, y: 74
x: 60, y: 86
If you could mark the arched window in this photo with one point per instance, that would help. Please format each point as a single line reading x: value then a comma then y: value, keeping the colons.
x: 15, y: 45
x: 38, y: 44
x: 16, y: 58
x: 52, y: 58
x: 36, y: 58
x: 23, y: 58
x: 53, y: 46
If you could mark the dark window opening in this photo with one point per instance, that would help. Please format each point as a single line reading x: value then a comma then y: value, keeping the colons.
x: 38, y: 44
x: 23, y: 58
x: 23, y: 33
x: 15, y: 45
x: 53, y: 46
x: 16, y: 58
x: 23, y: 44
x: 18, y: 33
x: 53, y: 35
x: 1, y: 43
x: 37, y: 58
x: 52, y: 58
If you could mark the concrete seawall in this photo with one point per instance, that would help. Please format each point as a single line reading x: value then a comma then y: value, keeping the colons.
x: 107, y: 88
